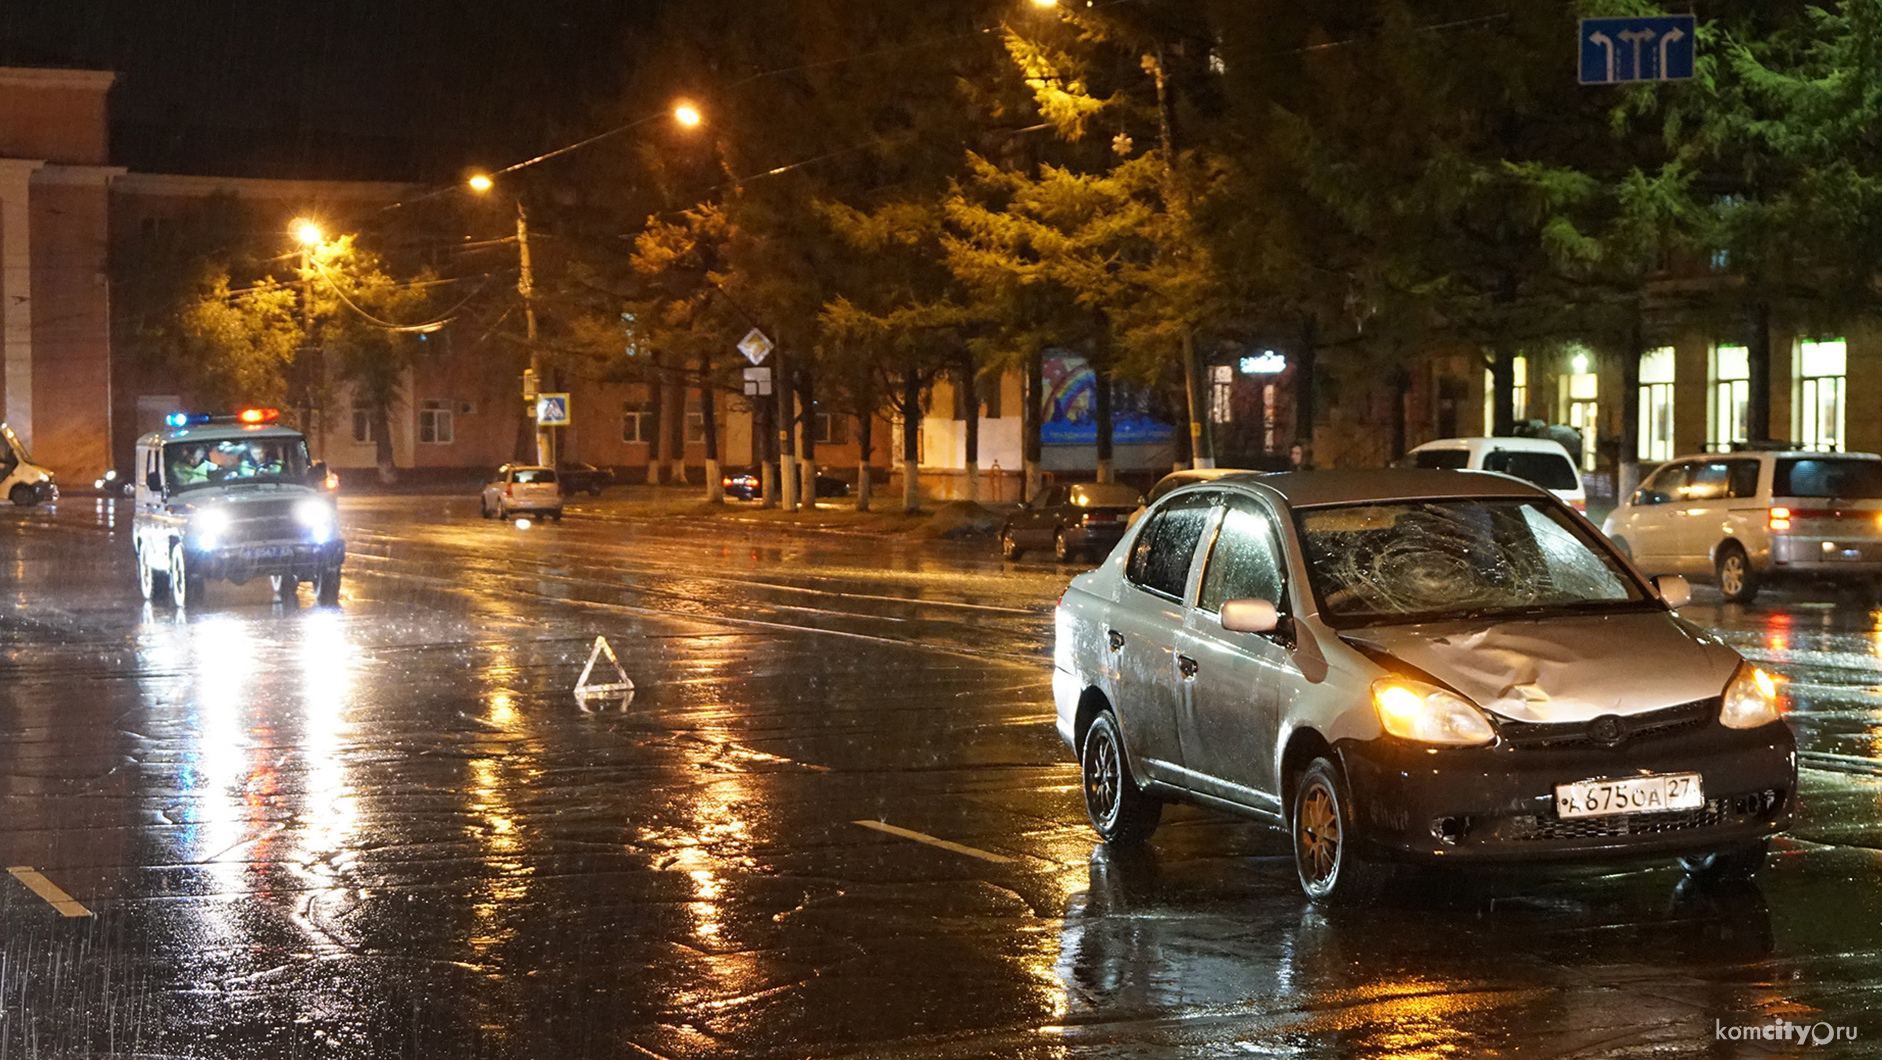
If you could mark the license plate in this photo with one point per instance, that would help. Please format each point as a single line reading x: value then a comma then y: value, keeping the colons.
x: 271, y: 552
x: 1610, y: 795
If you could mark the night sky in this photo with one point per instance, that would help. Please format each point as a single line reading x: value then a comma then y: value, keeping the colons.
x: 357, y: 89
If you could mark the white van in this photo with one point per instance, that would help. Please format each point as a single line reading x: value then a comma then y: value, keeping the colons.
x: 1536, y: 460
x: 22, y: 481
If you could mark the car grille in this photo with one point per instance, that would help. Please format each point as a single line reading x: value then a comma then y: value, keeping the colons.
x: 264, y: 521
x: 1542, y: 826
x: 1653, y: 725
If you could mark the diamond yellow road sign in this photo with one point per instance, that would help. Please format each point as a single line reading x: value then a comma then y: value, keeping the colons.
x: 755, y: 346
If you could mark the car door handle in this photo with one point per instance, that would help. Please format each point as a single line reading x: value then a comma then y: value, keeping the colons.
x: 1115, y: 639
x: 1187, y: 665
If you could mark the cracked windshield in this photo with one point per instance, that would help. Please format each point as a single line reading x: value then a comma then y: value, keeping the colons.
x: 1059, y: 529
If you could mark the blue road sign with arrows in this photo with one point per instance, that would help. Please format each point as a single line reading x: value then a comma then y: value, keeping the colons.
x: 1616, y: 50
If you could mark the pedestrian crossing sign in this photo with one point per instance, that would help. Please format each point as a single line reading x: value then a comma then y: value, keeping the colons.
x: 552, y: 410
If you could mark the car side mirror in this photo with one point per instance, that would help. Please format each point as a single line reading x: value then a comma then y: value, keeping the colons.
x: 1250, y: 616
x: 1675, y: 590
x: 153, y: 482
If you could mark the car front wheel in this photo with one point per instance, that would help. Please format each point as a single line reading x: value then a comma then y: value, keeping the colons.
x: 23, y: 496
x: 1009, y: 548
x: 1325, y: 855
x: 1120, y: 811
x: 1061, y: 548
x: 1737, y: 580
x: 1734, y: 863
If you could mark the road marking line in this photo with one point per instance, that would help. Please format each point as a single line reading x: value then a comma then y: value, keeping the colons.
x: 923, y: 837
x: 45, y: 888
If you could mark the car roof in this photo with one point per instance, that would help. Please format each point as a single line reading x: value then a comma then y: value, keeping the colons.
x: 1304, y: 489
x: 1815, y: 454
x: 219, y: 432
x: 526, y: 467
x: 1526, y: 445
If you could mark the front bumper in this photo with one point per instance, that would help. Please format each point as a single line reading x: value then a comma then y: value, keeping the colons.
x: 239, y: 563
x: 1498, y: 804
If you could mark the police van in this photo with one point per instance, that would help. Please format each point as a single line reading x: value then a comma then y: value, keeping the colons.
x: 233, y: 497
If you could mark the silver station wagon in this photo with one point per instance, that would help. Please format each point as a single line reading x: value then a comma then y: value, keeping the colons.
x: 1401, y: 665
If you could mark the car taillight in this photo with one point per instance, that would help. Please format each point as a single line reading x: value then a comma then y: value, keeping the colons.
x: 509, y: 489
x: 1780, y: 518
x: 725, y: 482
x: 1579, y: 505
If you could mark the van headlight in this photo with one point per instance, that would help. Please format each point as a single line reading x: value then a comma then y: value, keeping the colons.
x: 317, y: 516
x: 210, y: 524
x: 1426, y: 713
x: 1750, y: 699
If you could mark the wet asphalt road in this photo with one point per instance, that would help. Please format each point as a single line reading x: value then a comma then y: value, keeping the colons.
x: 389, y: 830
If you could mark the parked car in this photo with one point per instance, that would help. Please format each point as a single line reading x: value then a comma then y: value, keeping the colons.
x: 523, y: 488
x: 746, y: 484
x: 583, y: 478
x: 1402, y: 664
x: 1539, y: 460
x: 1082, y: 519
x: 22, y: 481
x: 1178, y: 479
x: 1753, y: 517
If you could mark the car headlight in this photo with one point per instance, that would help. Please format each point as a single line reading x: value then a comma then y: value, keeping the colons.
x: 209, y: 525
x: 317, y: 516
x: 1418, y: 711
x: 1750, y: 699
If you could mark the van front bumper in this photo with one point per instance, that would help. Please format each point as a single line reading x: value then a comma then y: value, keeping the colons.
x: 239, y: 563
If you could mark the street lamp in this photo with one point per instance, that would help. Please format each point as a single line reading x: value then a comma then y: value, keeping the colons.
x: 307, y: 232
x: 687, y: 114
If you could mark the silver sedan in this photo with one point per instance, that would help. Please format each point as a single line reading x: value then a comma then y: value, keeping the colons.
x: 1428, y: 665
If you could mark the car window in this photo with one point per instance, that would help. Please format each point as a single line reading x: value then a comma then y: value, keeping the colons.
x: 1442, y: 459
x: 532, y: 476
x: 1440, y: 559
x: 1051, y: 498
x: 1244, y: 562
x: 1161, y: 556
x: 1663, y: 486
x: 1741, y: 480
x: 1551, y: 471
x: 1707, y: 482
x: 1105, y: 495
x: 1828, y: 477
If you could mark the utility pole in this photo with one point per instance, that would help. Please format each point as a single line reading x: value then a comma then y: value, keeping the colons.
x: 1201, y: 444
x: 787, y: 452
x: 310, y: 373
x: 525, y: 284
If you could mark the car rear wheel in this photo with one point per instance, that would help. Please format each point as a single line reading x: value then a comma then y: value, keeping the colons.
x: 1062, y: 549
x: 1120, y: 811
x: 1734, y: 863
x: 23, y: 496
x: 285, y: 586
x: 1737, y: 580
x: 483, y: 508
x: 1009, y: 548
x: 1325, y: 854
x: 186, y: 587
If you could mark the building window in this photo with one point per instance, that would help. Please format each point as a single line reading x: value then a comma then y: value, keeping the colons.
x: 1581, y: 408
x: 1821, y: 388
x: 990, y: 399
x: 434, y: 422
x: 1728, y: 410
x: 1656, y: 404
x: 1519, y: 394
x: 695, y: 428
x: 636, y: 424
x: 362, y: 426
x: 831, y: 429
x: 1222, y: 394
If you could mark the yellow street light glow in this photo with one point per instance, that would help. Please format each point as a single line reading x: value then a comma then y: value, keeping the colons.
x: 687, y: 114
x: 481, y: 182
x: 307, y: 232
x: 1045, y: 3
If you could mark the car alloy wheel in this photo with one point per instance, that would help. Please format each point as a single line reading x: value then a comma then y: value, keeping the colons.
x: 149, y: 578
x: 1736, y: 579
x: 1060, y: 547
x: 1008, y: 547
x: 1120, y: 811
x: 1329, y: 867
x: 186, y: 588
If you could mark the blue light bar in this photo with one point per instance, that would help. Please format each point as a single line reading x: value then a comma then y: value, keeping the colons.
x: 185, y: 419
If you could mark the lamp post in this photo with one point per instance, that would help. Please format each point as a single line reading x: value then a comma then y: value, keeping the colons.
x: 308, y: 234
x: 482, y: 183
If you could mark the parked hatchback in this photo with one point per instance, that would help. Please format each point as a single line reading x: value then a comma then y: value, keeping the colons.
x: 523, y: 488
x: 1403, y: 664
x: 1086, y: 518
x: 1536, y: 460
x: 1749, y: 518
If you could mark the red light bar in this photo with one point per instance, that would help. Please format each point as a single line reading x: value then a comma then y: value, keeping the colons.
x: 258, y: 415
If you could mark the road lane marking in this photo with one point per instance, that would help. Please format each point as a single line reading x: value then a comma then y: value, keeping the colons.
x: 44, y: 888
x: 923, y: 837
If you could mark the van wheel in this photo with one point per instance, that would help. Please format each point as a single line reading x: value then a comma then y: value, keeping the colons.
x: 23, y: 496
x: 284, y: 585
x: 150, y: 580
x: 1326, y: 857
x: 1737, y: 580
x: 1120, y: 811
x: 186, y: 588
x: 327, y: 586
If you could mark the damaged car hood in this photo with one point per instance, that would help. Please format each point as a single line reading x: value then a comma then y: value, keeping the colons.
x: 1566, y: 669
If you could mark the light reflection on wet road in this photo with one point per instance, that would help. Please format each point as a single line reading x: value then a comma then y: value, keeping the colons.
x: 388, y: 830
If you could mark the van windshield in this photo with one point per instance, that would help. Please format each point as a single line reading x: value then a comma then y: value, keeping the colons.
x: 192, y: 464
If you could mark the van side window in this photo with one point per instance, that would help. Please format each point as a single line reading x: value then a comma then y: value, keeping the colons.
x: 1443, y: 459
x: 1742, y: 480
x: 1708, y: 482
x: 1663, y: 486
